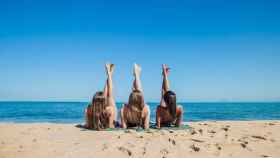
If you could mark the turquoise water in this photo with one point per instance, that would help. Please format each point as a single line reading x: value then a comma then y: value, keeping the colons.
x: 72, y: 112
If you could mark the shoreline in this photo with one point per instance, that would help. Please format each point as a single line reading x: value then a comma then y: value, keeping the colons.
x: 184, y: 123
x: 259, y: 138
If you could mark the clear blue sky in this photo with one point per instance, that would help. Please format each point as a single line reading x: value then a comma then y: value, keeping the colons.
x: 218, y: 50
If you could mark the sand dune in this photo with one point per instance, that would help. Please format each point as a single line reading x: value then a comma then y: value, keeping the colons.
x: 205, y: 139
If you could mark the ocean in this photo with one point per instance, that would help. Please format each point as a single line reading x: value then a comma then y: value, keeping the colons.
x: 73, y: 112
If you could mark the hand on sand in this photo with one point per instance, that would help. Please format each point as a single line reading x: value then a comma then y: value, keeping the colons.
x: 136, y: 70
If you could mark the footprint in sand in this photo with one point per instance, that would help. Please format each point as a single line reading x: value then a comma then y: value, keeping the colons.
x: 272, y: 140
x: 123, y: 149
x: 197, y: 140
x: 193, y: 132
x: 20, y: 148
x: 243, y: 141
x: 218, y: 149
x: 164, y: 152
x: 225, y: 128
x: 130, y: 145
x: 218, y: 146
x: 212, y: 131
x: 172, y: 140
x: 195, y: 148
x: 105, y: 146
x: 144, y: 151
x: 271, y: 124
x: 243, y: 145
x: 200, y: 131
x: 203, y: 124
x: 258, y: 137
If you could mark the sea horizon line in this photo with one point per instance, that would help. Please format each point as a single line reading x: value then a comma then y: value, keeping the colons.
x: 189, y: 101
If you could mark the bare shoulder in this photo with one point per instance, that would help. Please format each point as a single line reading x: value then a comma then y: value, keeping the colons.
x: 147, y: 106
x: 146, y: 109
x: 179, y: 106
x: 179, y: 109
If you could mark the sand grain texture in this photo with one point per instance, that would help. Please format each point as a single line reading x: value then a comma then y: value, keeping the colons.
x: 232, y: 139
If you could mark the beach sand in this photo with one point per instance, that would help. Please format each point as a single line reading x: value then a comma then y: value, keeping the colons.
x: 232, y: 139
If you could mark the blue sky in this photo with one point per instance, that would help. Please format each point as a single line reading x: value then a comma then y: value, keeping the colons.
x: 218, y: 50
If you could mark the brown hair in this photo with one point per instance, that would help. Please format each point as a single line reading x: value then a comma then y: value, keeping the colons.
x: 136, y: 104
x: 136, y: 99
x: 170, y: 100
x: 99, y: 104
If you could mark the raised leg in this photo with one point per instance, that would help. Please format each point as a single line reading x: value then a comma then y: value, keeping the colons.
x: 137, y: 82
x: 108, y: 92
x: 165, y: 83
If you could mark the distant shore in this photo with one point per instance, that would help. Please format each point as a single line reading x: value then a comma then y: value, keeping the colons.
x: 203, y: 139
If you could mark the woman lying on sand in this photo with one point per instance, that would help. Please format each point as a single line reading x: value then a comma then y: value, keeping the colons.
x: 101, y: 113
x: 136, y: 113
x: 168, y: 112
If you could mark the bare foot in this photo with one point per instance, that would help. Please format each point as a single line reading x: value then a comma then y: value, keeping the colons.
x: 165, y: 69
x: 112, y: 68
x: 109, y: 68
x: 136, y: 70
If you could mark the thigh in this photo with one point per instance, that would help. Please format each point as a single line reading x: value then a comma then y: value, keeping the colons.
x: 112, y: 107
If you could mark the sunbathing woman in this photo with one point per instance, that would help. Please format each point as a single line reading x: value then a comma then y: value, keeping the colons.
x: 101, y: 113
x: 135, y: 113
x: 168, y: 112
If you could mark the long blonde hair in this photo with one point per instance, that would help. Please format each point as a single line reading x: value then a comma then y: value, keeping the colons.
x: 99, y: 103
x: 136, y: 104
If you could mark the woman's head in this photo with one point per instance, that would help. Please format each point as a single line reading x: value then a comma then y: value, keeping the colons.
x: 98, y: 105
x: 170, y: 100
x: 99, y: 98
x: 136, y: 99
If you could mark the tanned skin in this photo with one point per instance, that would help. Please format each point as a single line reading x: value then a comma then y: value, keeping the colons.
x: 163, y: 116
x: 125, y: 119
x: 108, y: 93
